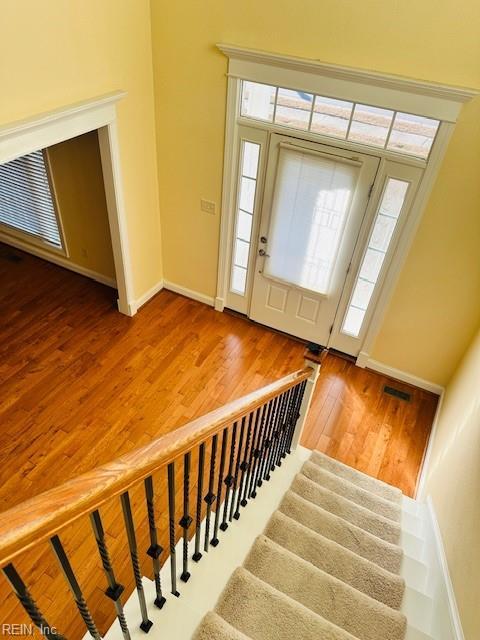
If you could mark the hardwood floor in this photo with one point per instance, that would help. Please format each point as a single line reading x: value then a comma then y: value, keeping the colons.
x: 82, y: 384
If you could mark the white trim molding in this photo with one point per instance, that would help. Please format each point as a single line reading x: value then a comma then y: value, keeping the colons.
x: 398, y: 374
x: 189, y: 293
x: 446, y: 623
x: 57, y: 258
x: 361, y: 85
x: 176, y: 288
x: 148, y: 295
x: 46, y: 129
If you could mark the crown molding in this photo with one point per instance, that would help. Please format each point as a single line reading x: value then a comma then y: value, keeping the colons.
x: 350, y: 74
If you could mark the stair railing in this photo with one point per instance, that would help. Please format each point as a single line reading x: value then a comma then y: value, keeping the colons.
x: 252, y: 435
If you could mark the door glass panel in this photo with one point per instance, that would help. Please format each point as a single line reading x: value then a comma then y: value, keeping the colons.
x: 386, y: 221
x: 250, y: 159
x: 331, y: 117
x: 370, y: 125
x: 258, y: 101
x: 244, y: 225
x: 249, y: 162
x: 293, y: 108
x: 239, y: 279
x: 311, y: 201
x: 241, y: 253
x: 247, y: 194
x: 412, y: 134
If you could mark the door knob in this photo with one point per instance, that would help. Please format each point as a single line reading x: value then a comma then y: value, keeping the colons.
x: 263, y: 253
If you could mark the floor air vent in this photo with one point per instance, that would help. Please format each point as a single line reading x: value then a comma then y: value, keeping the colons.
x: 403, y: 395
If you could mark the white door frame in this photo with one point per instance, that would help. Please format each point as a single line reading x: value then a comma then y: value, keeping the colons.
x: 429, y: 99
x: 47, y: 129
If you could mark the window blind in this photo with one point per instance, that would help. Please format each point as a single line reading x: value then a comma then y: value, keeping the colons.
x: 26, y: 202
x: 311, y: 203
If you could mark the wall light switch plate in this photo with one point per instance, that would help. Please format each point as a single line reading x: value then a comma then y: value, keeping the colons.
x: 208, y: 206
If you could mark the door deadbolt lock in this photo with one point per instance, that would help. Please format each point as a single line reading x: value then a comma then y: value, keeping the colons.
x: 263, y: 240
x: 263, y: 253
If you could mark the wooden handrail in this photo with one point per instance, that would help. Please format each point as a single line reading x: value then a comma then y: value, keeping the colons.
x: 42, y: 516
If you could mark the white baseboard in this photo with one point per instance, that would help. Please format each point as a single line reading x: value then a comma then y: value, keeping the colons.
x: 365, y: 361
x: 446, y: 620
x: 189, y: 293
x: 143, y: 299
x: 61, y: 261
x: 219, y: 304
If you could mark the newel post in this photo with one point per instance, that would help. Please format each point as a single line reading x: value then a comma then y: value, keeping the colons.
x: 314, y: 361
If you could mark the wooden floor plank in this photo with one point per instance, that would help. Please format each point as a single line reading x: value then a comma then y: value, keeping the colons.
x: 82, y: 384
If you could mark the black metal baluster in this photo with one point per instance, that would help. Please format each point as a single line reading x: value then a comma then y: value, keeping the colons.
x: 273, y: 439
x: 171, y: 527
x: 237, y: 468
x: 29, y: 604
x: 251, y: 458
x: 201, y: 461
x: 295, y: 414
x: 214, y: 541
x: 258, y: 461
x: 290, y: 418
x: 210, y: 497
x: 286, y: 422
x: 256, y: 450
x: 74, y: 587
x: 114, y: 589
x: 155, y: 550
x: 269, y: 428
x: 244, y: 466
x: 229, y: 479
x: 280, y: 430
x: 186, y: 520
x: 146, y: 624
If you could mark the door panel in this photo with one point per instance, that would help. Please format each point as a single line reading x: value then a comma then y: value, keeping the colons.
x: 314, y: 202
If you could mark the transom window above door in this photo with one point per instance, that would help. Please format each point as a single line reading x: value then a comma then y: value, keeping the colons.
x: 376, y: 127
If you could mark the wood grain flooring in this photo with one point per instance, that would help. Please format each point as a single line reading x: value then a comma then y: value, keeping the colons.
x: 82, y: 384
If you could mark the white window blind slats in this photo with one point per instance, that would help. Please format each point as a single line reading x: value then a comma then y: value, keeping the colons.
x: 26, y: 202
x: 311, y: 202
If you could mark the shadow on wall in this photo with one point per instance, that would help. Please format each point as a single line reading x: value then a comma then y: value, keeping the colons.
x: 76, y: 173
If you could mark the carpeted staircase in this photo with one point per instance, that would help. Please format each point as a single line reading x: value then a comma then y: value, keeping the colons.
x: 326, y: 567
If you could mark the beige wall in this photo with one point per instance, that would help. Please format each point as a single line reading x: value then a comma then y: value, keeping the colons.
x: 454, y: 483
x: 58, y: 52
x: 436, y: 305
x: 76, y: 172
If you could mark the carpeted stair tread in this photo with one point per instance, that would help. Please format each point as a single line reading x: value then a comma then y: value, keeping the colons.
x: 356, y: 514
x: 336, y: 560
x: 384, y: 554
x: 352, y: 492
x: 341, y: 604
x: 359, y: 478
x: 326, y: 567
x: 264, y: 613
x: 214, y: 627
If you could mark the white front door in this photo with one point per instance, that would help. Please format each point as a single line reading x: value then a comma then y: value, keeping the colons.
x: 315, y: 199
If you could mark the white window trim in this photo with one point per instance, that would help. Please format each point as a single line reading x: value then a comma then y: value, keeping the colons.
x: 44, y: 130
x: 428, y: 99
